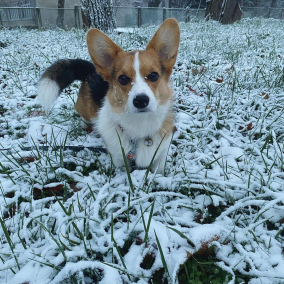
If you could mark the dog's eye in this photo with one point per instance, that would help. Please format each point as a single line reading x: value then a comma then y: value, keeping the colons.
x: 153, y: 77
x: 123, y: 79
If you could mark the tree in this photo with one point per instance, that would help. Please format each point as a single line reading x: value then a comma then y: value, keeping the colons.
x: 194, y: 4
x: 60, y: 16
x: 98, y: 14
x: 250, y: 3
x: 224, y: 11
x: 154, y: 3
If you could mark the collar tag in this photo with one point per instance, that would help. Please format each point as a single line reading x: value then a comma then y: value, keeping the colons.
x: 131, y: 156
x: 132, y: 153
x: 148, y: 141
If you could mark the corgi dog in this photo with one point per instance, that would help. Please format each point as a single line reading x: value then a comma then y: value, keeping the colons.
x: 127, y: 95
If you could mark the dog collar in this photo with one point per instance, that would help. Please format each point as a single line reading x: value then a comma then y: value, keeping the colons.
x: 131, y: 155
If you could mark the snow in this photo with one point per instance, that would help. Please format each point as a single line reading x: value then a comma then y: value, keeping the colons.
x: 224, y: 172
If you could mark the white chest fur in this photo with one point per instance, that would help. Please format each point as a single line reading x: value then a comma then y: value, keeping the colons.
x: 134, y: 126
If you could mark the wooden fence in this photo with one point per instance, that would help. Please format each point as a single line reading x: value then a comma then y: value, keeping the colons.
x: 39, y: 17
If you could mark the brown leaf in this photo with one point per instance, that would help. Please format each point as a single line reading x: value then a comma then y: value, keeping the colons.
x: 73, y: 186
x: 139, y: 241
x: 219, y: 80
x: 47, y: 190
x: 247, y: 128
x: 55, y: 189
x: 203, y: 251
x: 28, y: 159
x: 265, y: 95
x: 200, y: 69
x: 192, y: 90
x: 148, y: 261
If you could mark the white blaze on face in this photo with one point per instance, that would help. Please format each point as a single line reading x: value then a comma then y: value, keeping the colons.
x: 140, y: 87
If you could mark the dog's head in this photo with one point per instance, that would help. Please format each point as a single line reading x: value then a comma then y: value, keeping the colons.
x: 139, y: 80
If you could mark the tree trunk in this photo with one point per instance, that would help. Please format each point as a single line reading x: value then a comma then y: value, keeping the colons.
x: 60, y: 15
x: 232, y: 12
x: 224, y: 11
x: 86, y: 20
x: 213, y: 9
x: 98, y: 14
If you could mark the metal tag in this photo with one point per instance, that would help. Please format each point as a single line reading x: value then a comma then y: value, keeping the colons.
x: 148, y: 141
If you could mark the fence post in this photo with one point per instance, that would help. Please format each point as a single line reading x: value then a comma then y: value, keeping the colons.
x: 8, y: 15
x: 164, y: 14
x: 77, y: 17
x: 1, y: 22
x: 20, y: 14
x: 187, y: 14
x: 139, y: 17
x: 38, y: 18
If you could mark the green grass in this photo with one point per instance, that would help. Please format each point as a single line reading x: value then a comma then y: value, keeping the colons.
x: 216, y: 216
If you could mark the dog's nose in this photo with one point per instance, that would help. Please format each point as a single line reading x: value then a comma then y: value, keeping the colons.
x: 141, y: 101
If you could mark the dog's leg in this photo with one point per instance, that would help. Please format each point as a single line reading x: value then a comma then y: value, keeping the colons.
x: 160, y: 160
x: 111, y: 132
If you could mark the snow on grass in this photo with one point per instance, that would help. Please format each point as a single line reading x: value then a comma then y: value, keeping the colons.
x: 217, y: 215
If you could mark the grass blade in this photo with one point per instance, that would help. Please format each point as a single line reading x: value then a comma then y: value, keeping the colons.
x: 52, y: 237
x: 149, y: 222
x: 11, y: 245
x: 182, y: 235
x: 126, y: 164
x: 162, y: 255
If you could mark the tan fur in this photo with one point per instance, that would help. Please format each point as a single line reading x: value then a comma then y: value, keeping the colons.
x: 85, y: 105
x: 149, y: 62
x: 103, y: 52
x: 118, y: 94
x: 167, y: 127
x: 166, y: 49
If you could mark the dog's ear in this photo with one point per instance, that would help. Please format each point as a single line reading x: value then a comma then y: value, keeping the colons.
x: 103, y: 51
x: 165, y: 42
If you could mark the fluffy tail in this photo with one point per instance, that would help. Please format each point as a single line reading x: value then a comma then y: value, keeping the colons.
x: 62, y: 73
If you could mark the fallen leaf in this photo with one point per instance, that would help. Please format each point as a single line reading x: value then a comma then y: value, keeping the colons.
x: 73, y: 186
x: 192, y: 90
x: 206, y: 245
x: 200, y: 69
x: 48, y: 190
x: 219, y: 80
x: 265, y: 95
x: 247, y: 128
x: 28, y: 159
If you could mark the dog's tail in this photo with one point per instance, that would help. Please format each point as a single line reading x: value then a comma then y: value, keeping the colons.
x: 61, y: 74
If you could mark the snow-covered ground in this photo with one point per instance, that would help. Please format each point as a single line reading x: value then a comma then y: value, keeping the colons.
x: 221, y: 201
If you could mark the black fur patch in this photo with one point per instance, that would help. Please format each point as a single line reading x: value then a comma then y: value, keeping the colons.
x: 66, y: 71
